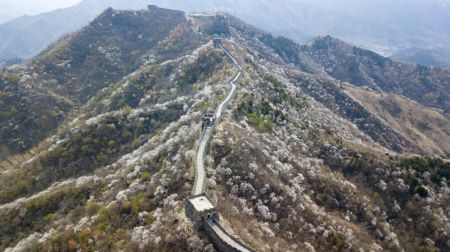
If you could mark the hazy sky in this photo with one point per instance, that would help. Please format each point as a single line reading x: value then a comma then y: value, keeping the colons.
x: 36, y: 6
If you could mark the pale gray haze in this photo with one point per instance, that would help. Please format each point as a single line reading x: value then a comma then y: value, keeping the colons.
x: 14, y: 8
x: 412, y: 30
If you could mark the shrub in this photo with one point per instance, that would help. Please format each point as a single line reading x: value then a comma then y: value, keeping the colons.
x: 337, y: 240
x: 49, y: 217
x: 72, y: 244
x: 146, y: 176
x: 261, y: 124
x: 422, y: 191
x: 138, y: 203
x: 150, y: 218
x: 435, y: 166
x: 91, y: 207
x: 283, y: 95
x: 13, y: 78
x: 16, y: 184
x: 103, y: 226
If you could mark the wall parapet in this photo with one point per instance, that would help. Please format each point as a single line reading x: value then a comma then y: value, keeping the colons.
x: 222, y: 240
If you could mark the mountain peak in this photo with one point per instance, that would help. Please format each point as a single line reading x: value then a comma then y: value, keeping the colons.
x: 328, y: 42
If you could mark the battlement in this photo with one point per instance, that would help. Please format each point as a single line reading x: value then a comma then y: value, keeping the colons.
x: 217, y: 42
x: 208, y: 119
x: 200, y: 209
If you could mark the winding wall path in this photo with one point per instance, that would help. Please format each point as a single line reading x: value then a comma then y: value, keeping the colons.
x: 200, y: 161
x: 215, y: 230
x: 207, y: 132
x: 217, y: 233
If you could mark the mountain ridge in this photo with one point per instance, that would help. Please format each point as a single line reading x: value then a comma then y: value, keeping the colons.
x: 366, y: 24
x: 298, y: 162
x: 21, y: 41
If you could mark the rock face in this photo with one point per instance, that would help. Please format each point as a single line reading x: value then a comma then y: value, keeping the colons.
x: 300, y: 160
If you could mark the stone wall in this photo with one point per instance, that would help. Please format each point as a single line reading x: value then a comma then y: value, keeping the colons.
x: 222, y: 245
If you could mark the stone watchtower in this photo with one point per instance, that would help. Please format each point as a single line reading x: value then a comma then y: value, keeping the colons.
x: 152, y: 8
x: 208, y: 119
x: 217, y: 42
x: 200, y: 209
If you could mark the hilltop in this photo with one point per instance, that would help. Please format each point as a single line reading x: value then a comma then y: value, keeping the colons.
x: 26, y: 36
x: 407, y: 32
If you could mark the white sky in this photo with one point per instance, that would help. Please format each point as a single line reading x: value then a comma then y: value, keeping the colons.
x: 36, y: 6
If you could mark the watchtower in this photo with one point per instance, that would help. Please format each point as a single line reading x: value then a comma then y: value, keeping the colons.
x: 152, y: 7
x: 208, y: 119
x: 217, y: 42
x: 200, y: 209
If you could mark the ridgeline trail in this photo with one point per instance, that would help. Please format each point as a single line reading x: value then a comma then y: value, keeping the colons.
x: 208, y: 131
x: 220, y: 237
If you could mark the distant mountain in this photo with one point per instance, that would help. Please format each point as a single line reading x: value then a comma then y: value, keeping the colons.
x: 10, y: 9
x: 387, y: 27
x: 4, y: 15
x: 8, y: 12
x: 26, y: 36
x: 434, y: 56
x: 331, y: 57
x: 382, y: 26
x: 429, y: 86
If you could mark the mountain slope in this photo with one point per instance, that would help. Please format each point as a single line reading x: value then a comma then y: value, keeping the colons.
x: 298, y: 162
x: 26, y: 36
x: 428, y: 86
x: 331, y: 57
x: 434, y: 56
x: 366, y: 24
x: 424, y: 125
x: 76, y: 68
